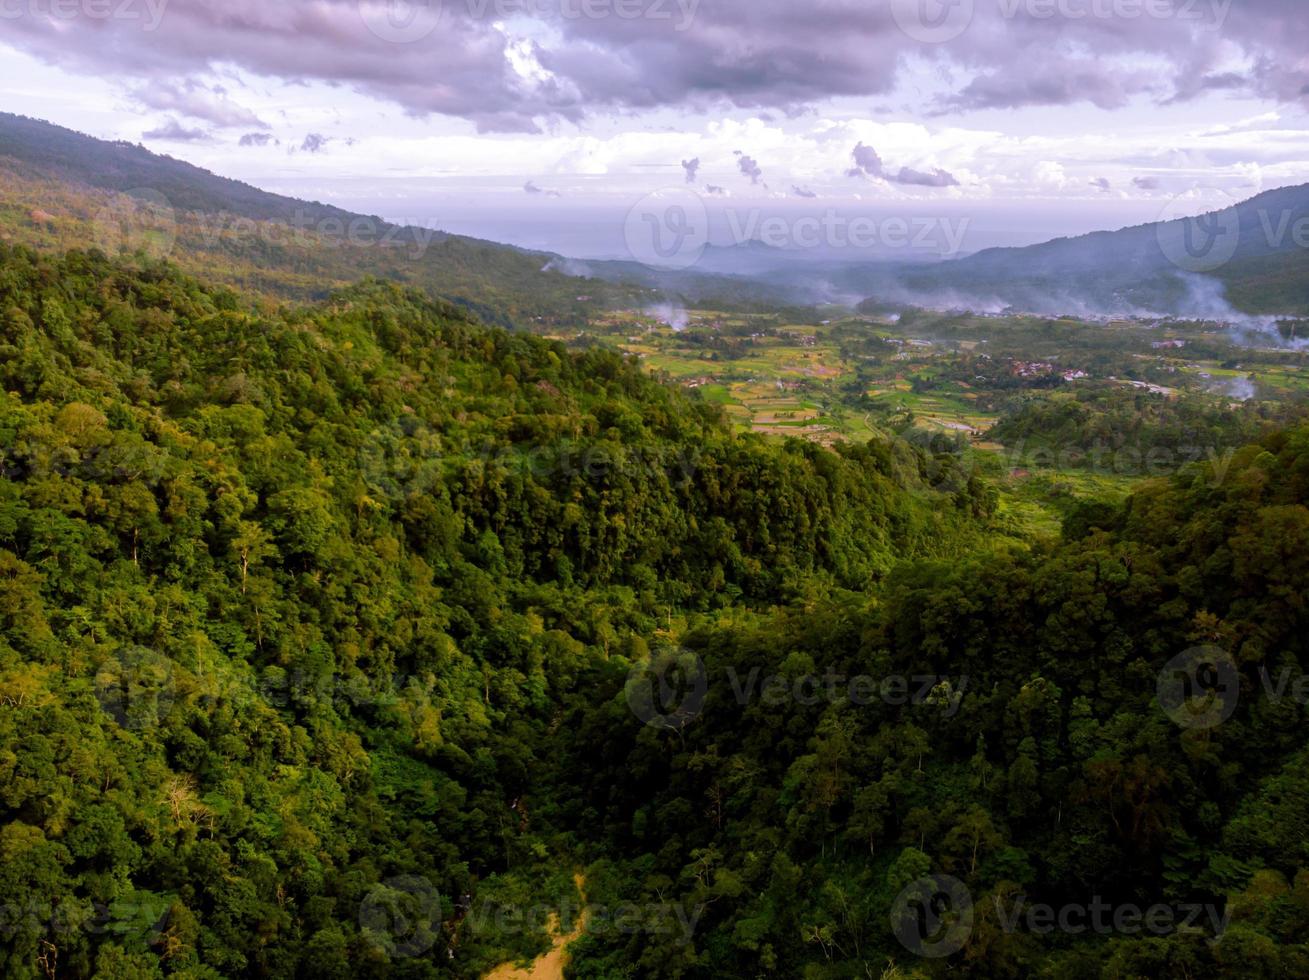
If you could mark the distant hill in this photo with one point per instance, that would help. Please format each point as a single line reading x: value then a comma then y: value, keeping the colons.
x: 122, y: 166
x: 57, y: 186
x: 1249, y: 260
x: 1252, y: 258
x: 305, y: 249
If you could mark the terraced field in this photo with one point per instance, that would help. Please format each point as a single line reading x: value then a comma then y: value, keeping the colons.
x: 770, y: 377
x: 947, y: 380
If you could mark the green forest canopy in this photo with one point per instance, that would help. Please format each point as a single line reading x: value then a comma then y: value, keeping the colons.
x: 317, y: 627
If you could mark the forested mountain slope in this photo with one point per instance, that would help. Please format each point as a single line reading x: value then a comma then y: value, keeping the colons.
x: 62, y: 186
x: 1057, y: 779
x: 291, y: 601
x: 1252, y: 254
x: 323, y: 627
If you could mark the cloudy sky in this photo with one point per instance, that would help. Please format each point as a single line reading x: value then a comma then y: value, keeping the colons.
x: 545, y: 122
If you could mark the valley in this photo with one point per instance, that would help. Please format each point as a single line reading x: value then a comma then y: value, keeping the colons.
x: 369, y: 610
x: 955, y: 383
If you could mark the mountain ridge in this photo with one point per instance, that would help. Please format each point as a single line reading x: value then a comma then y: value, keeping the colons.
x: 1256, y: 260
x: 297, y: 250
x: 1189, y: 266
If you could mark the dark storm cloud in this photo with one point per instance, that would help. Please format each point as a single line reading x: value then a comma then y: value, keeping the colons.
x: 1053, y: 82
x: 802, y: 191
x: 1146, y: 183
x: 691, y: 167
x: 462, y: 68
x: 315, y: 143
x: 758, y: 54
x: 256, y: 139
x: 1101, y: 184
x: 777, y: 53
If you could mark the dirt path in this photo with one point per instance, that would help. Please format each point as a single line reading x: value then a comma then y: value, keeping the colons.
x: 548, y: 966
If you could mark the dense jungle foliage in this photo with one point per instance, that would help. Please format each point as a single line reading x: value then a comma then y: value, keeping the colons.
x: 323, y: 630
x: 1149, y: 433
x: 292, y: 597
